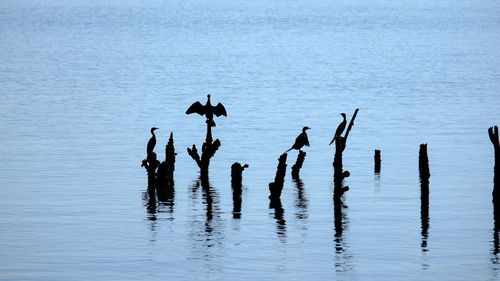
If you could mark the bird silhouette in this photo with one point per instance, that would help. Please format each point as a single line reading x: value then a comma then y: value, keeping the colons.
x: 301, y: 140
x: 152, y: 141
x: 340, y: 128
x: 208, y: 110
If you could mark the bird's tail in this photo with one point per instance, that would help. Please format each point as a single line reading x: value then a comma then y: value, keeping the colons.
x: 332, y: 140
x: 289, y: 149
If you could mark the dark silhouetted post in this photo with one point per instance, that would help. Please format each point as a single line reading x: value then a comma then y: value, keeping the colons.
x: 494, y: 137
x: 423, y: 164
x: 170, y: 156
x: 377, y: 161
x: 165, y: 175
x: 236, y: 179
x: 276, y: 187
x: 298, y: 164
x: 151, y: 165
x: 209, y: 147
x: 339, y: 174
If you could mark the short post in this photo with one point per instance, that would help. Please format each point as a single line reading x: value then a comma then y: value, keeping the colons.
x: 377, y: 161
x: 236, y: 179
x: 276, y: 187
x: 298, y: 164
x: 151, y: 163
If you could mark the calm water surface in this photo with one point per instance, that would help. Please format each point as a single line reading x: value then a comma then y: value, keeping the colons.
x: 82, y: 82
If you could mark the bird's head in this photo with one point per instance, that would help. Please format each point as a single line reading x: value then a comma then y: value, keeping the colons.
x: 208, y: 96
x: 343, y: 115
x: 153, y: 129
x: 305, y: 128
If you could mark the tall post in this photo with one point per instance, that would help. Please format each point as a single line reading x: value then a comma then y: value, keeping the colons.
x: 423, y: 164
x: 338, y: 174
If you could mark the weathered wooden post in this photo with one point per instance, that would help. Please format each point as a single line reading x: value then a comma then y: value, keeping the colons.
x: 165, y: 174
x: 236, y: 185
x: 276, y: 187
x: 339, y: 174
x: 377, y: 161
x: 151, y: 164
x: 423, y: 164
x: 494, y: 138
x: 298, y: 164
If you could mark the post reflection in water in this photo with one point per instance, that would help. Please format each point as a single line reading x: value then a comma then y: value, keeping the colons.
x: 158, y: 201
x: 279, y: 216
x: 496, y: 228
x: 301, y: 201
x: 206, y: 228
x: 344, y: 260
x: 424, y: 216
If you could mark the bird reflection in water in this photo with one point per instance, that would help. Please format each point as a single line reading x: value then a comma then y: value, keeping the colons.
x: 343, y: 257
x: 279, y: 216
x: 206, y: 232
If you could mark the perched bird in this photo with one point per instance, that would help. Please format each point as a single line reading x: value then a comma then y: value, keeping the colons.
x: 301, y: 140
x: 152, y: 141
x: 340, y: 128
x: 208, y: 110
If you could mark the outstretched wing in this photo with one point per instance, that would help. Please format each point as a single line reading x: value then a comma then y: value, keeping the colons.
x: 196, y: 107
x: 220, y: 110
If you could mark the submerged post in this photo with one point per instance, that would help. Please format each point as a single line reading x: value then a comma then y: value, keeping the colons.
x: 236, y: 179
x: 423, y: 164
x: 276, y: 187
x: 377, y: 161
x: 339, y: 175
x: 298, y: 164
x: 494, y: 138
x: 151, y: 165
x: 165, y: 174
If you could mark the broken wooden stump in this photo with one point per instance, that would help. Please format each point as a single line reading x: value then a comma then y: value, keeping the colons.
x: 377, y: 161
x: 236, y: 179
x: 298, y: 164
x: 338, y: 174
x: 208, y: 150
x: 423, y: 164
x: 165, y: 174
x: 276, y: 187
x: 151, y: 164
x: 494, y: 138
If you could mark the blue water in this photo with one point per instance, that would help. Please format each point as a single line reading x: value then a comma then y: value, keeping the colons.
x: 82, y: 82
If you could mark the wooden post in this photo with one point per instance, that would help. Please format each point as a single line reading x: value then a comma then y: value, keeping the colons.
x: 151, y: 165
x: 236, y: 170
x: 339, y: 175
x: 276, y: 187
x: 208, y: 150
x: 494, y: 138
x: 298, y: 164
x: 377, y: 161
x: 423, y: 164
